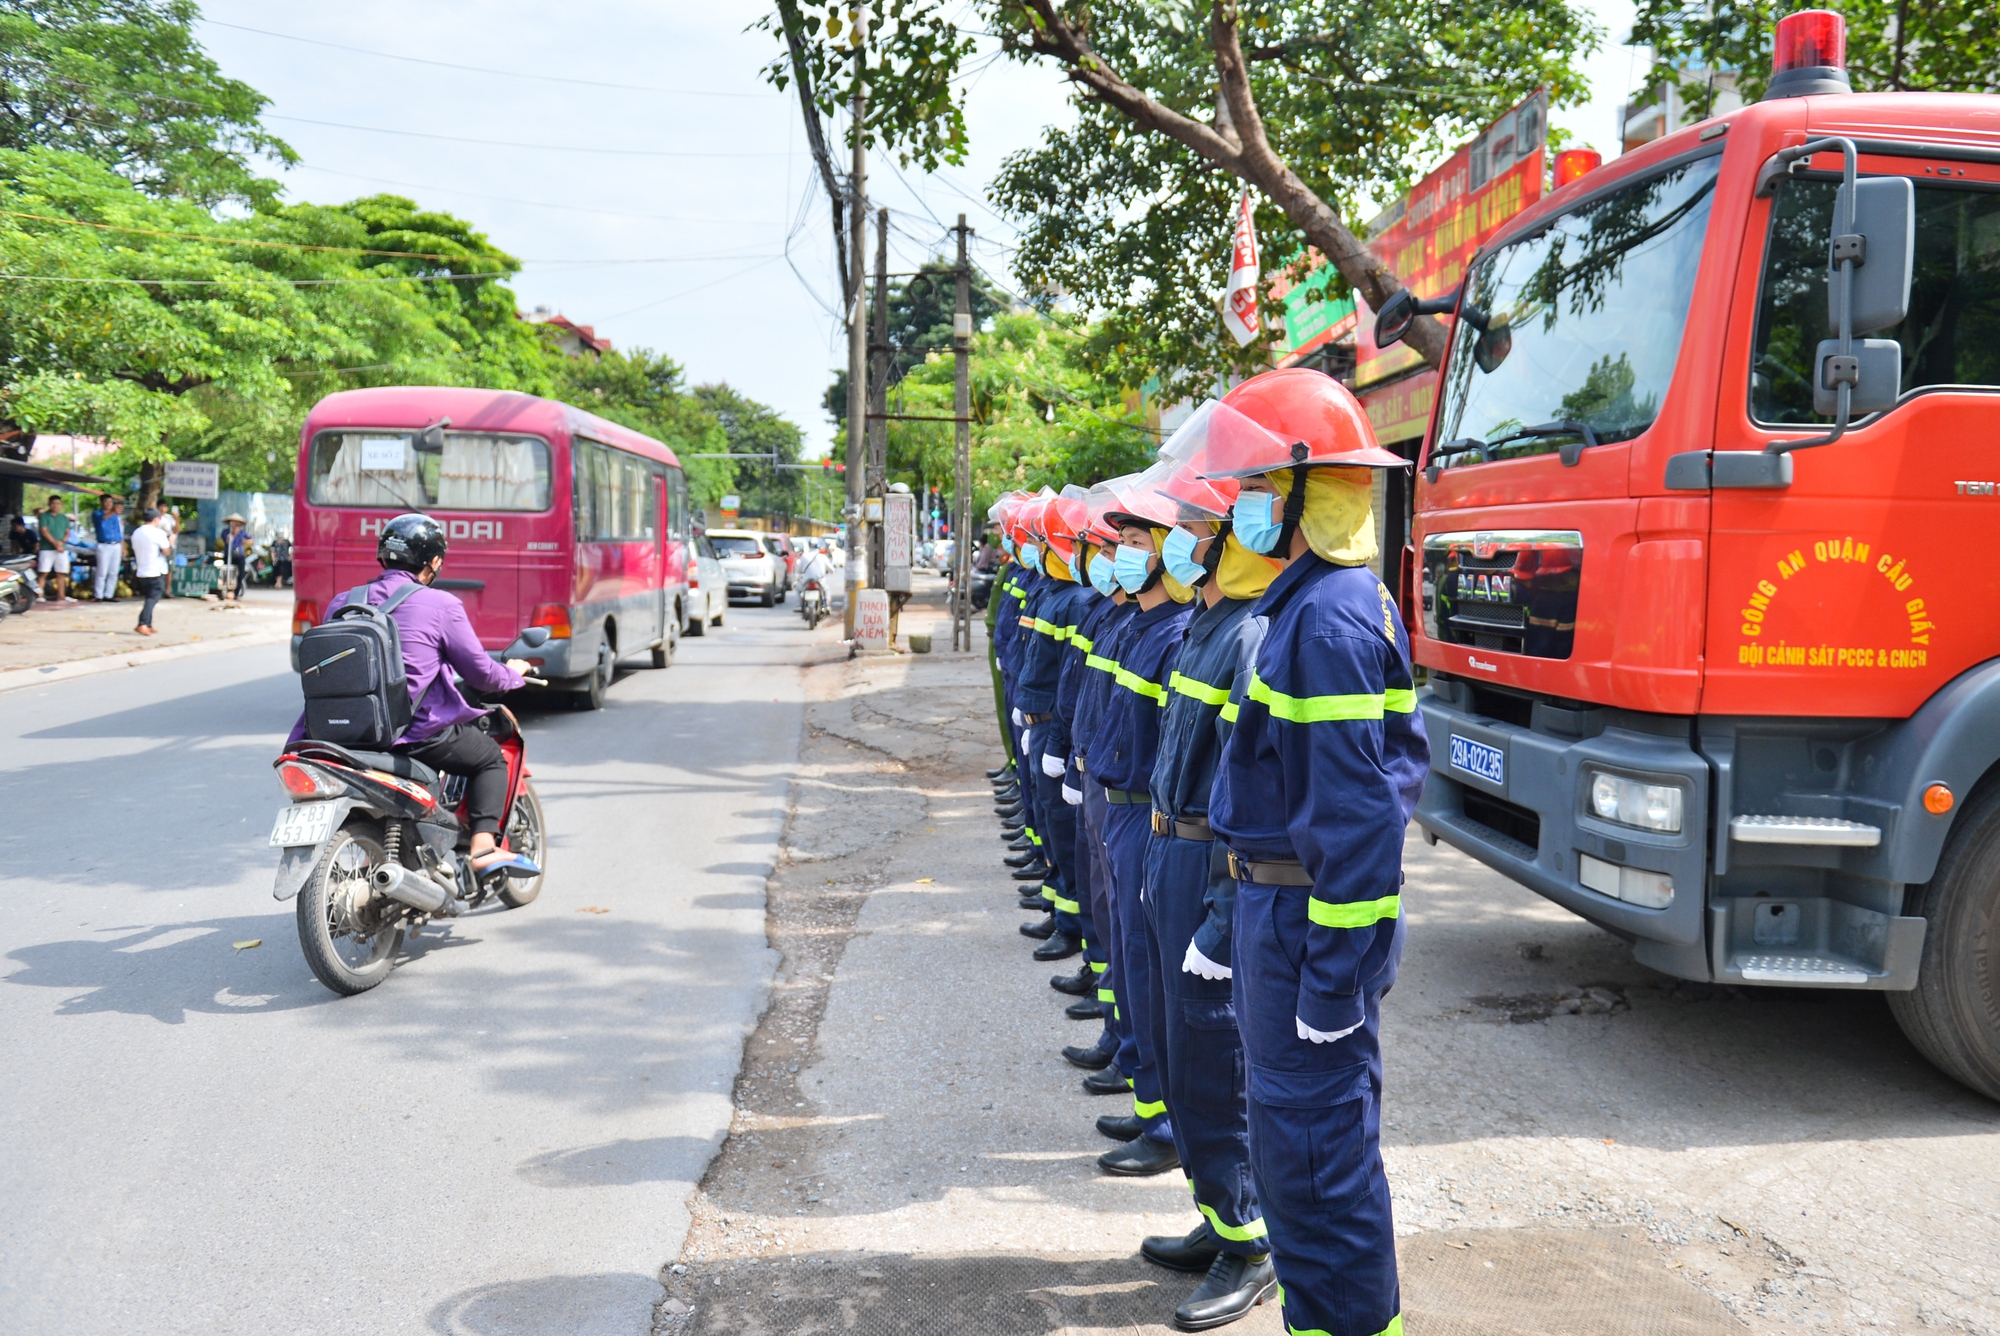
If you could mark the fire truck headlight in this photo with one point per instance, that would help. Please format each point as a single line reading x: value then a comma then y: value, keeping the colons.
x: 1635, y: 803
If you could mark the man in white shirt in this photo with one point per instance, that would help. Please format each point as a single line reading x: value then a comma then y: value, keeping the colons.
x: 150, y: 545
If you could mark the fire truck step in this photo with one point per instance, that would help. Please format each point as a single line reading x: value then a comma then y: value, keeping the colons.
x: 1803, y: 830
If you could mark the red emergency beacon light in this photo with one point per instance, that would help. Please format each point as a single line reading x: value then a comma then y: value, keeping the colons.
x: 1809, y: 55
x: 1572, y: 163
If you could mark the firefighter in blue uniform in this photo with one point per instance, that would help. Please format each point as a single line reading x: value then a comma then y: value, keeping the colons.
x: 1120, y: 761
x: 1093, y: 689
x: 1189, y: 896
x: 1048, y: 623
x: 1316, y: 785
x: 1000, y: 623
x: 1029, y: 588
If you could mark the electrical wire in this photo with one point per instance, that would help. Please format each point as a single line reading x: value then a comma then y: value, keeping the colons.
x: 689, y: 292
x: 481, y: 69
x: 536, y: 203
x: 510, y: 143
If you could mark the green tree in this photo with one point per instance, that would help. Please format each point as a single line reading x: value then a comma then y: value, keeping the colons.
x: 1316, y: 104
x: 752, y: 428
x: 1941, y: 46
x: 124, y: 82
x: 648, y: 392
x: 920, y: 311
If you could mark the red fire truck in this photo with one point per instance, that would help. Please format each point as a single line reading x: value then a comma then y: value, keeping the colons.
x: 1713, y: 658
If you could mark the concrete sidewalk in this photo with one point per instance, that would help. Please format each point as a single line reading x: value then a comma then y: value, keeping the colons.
x: 52, y: 642
x: 910, y: 1154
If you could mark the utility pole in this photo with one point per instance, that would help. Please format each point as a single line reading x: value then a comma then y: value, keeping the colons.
x: 961, y: 516
x: 857, y: 315
x: 878, y: 400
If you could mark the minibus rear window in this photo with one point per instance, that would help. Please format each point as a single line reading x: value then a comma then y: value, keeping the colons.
x: 474, y: 471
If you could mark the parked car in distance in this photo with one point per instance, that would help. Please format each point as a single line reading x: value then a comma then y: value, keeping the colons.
x: 748, y: 566
x: 780, y: 546
x: 708, y: 588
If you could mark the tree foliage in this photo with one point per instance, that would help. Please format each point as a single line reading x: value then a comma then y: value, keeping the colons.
x: 1316, y: 104
x: 124, y: 82
x: 1945, y: 46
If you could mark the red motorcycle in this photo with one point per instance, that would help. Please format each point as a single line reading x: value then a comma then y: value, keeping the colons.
x: 376, y: 845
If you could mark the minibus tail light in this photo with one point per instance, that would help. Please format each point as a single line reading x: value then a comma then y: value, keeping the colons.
x: 555, y: 616
x: 305, y: 616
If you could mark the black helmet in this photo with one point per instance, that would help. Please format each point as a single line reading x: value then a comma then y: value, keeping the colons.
x: 409, y: 542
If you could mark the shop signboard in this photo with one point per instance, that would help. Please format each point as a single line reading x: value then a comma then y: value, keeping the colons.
x: 1429, y: 236
x: 192, y: 479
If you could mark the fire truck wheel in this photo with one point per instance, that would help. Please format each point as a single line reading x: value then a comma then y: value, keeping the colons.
x: 1953, y: 1014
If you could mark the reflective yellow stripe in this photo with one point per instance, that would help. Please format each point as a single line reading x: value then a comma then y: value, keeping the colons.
x: 1395, y: 1327
x: 1134, y: 683
x: 1100, y: 663
x: 1028, y: 622
x: 1238, y: 1234
x: 1145, y: 1110
x: 1082, y: 642
x: 1314, y: 709
x: 1403, y: 700
x: 1197, y: 689
x: 1067, y: 906
x: 1230, y: 711
x: 1358, y: 914
x: 1106, y: 995
x: 1099, y: 966
x: 1046, y: 628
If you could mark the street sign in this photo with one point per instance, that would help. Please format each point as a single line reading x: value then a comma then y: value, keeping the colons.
x: 193, y: 480
x: 871, y: 618
x: 899, y: 521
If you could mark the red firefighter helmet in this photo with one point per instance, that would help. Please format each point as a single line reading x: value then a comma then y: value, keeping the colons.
x: 1284, y: 418
x: 1062, y: 520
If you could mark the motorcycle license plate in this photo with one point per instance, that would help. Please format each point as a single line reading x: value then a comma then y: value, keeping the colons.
x: 304, y: 823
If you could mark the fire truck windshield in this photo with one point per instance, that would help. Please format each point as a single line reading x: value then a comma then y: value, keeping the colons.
x: 1578, y: 323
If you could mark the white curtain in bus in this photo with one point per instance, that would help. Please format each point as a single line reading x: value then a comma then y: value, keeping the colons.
x: 490, y: 473
x: 347, y: 484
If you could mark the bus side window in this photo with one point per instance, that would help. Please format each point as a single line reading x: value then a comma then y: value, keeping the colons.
x: 677, y: 502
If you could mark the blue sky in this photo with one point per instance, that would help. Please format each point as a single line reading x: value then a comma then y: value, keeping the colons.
x: 704, y: 234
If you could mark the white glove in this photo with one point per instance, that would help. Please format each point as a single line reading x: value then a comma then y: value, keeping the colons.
x: 1028, y: 740
x: 1054, y: 766
x: 1074, y: 797
x: 1321, y: 1036
x: 1199, y: 964
x: 1018, y: 721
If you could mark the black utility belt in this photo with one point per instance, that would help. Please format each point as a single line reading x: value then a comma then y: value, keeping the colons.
x: 1186, y: 828
x: 1037, y: 718
x: 1127, y: 798
x: 1269, y: 871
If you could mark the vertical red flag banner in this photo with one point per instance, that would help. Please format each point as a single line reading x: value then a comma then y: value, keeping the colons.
x: 1428, y: 238
x: 1239, y: 299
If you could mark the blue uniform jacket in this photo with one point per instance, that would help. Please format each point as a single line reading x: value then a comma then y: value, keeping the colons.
x: 1128, y: 735
x: 1205, y: 691
x: 1027, y: 586
x: 1006, y: 613
x: 1054, y: 615
x: 1100, y: 664
x: 1324, y: 766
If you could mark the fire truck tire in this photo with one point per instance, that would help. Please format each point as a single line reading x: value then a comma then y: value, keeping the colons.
x: 1953, y: 1014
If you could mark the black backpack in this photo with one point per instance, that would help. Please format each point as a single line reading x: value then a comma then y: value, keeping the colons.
x: 351, y: 670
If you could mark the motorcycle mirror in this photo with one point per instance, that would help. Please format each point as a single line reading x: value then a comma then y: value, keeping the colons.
x: 535, y: 637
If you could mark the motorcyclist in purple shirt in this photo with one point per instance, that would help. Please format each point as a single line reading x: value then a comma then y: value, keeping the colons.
x: 436, y: 635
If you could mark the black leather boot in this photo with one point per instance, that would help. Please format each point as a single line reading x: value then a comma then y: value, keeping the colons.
x: 1109, y: 1081
x: 1083, y: 983
x: 1060, y: 946
x: 1120, y: 1126
x: 1142, y: 1157
x: 1035, y: 871
x: 1022, y: 859
x: 1193, y: 1253
x: 1234, y: 1285
x: 1089, y: 1057
x: 1041, y: 928
x: 1085, y: 1009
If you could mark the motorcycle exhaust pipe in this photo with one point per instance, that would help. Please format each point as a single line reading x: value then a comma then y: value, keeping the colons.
x: 417, y: 891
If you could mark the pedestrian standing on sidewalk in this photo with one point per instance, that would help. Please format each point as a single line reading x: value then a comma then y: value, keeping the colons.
x: 20, y: 538
x: 281, y: 560
x: 52, y: 554
x: 150, y: 545
x: 235, y: 557
x: 1316, y: 786
x: 109, y: 526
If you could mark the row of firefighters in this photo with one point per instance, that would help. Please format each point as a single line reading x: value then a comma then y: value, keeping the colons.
x: 1213, y: 751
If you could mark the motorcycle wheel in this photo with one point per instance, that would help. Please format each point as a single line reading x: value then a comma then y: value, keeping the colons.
x: 526, y: 836
x: 349, y: 936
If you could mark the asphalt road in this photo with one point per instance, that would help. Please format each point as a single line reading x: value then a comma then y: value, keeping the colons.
x: 499, y: 1139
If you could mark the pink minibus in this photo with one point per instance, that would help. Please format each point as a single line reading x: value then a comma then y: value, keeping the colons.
x: 557, y: 518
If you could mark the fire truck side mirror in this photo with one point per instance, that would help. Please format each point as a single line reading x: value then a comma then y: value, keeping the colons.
x: 1393, y: 321
x: 1883, y: 247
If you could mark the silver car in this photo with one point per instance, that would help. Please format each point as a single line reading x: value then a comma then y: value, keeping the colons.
x: 708, y: 588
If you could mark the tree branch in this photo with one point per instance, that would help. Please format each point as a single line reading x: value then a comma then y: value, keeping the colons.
x: 788, y: 15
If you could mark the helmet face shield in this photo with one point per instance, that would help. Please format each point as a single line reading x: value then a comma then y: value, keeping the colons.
x: 1062, y: 521
x: 1225, y: 444
x: 1287, y: 417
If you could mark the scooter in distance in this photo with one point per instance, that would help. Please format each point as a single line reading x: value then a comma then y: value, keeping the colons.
x: 376, y: 845
x: 812, y: 603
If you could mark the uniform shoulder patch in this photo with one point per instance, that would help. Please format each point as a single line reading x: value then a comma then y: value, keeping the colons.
x: 1388, y: 612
